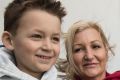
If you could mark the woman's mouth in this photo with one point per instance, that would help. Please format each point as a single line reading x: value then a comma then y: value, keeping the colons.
x: 90, y: 65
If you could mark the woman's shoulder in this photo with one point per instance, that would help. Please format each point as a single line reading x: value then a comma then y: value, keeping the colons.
x: 113, y: 76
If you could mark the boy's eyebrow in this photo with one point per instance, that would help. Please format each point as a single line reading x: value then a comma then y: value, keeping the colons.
x: 56, y: 33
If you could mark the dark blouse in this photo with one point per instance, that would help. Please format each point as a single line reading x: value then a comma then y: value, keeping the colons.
x: 113, y: 76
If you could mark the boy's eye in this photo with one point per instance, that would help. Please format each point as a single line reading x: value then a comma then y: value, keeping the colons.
x: 56, y: 39
x: 37, y: 36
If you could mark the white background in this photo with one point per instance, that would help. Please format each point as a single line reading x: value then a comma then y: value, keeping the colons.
x: 106, y: 12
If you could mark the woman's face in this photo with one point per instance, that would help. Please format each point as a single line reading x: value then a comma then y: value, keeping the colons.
x: 89, y: 53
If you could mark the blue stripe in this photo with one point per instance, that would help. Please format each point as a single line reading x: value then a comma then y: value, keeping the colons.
x: 2, y: 46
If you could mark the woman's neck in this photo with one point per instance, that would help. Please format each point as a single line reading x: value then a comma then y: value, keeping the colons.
x: 98, y: 77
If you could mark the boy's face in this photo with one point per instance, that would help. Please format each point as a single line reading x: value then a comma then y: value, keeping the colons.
x: 37, y: 42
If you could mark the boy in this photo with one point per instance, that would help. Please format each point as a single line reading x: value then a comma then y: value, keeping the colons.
x: 32, y: 40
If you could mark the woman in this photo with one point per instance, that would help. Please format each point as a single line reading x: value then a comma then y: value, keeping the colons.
x: 87, y: 52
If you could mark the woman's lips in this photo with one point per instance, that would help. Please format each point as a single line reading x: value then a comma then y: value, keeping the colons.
x: 90, y: 65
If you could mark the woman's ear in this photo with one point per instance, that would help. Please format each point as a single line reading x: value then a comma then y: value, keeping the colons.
x: 7, y: 40
x: 107, y: 51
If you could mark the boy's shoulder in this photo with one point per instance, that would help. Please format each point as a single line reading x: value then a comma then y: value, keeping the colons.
x: 61, y: 76
x: 1, y: 44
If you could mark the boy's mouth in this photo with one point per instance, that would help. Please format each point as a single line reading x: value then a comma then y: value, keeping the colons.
x: 44, y: 56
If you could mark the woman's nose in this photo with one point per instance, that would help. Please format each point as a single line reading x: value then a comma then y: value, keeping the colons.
x: 89, y: 54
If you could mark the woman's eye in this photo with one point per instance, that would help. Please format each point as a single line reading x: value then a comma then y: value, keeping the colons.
x: 78, y: 50
x: 96, y: 46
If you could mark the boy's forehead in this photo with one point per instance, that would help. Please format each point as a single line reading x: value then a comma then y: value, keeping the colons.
x: 38, y: 19
x: 34, y: 14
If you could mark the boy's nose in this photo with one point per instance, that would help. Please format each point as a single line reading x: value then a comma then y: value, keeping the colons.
x: 47, y: 45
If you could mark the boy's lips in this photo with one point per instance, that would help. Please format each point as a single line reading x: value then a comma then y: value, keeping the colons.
x: 44, y: 56
x: 44, y: 59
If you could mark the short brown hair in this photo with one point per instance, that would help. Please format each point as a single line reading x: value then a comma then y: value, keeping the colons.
x: 15, y: 11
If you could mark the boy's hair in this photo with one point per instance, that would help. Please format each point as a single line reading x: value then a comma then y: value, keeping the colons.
x: 17, y: 8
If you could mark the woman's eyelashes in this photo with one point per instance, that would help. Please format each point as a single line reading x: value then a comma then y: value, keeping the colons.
x: 92, y: 47
x: 78, y: 49
x: 96, y: 46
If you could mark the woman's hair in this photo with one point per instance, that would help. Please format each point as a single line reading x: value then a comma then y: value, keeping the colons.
x: 72, y: 69
x: 17, y: 8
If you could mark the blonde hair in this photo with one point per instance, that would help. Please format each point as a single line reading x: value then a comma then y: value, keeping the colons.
x: 72, y: 69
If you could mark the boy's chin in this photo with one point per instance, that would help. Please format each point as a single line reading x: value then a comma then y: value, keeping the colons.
x: 45, y: 68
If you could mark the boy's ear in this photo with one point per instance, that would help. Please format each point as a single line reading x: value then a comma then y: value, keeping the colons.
x: 7, y: 40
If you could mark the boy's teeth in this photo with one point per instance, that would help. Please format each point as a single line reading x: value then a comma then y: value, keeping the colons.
x: 44, y: 57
